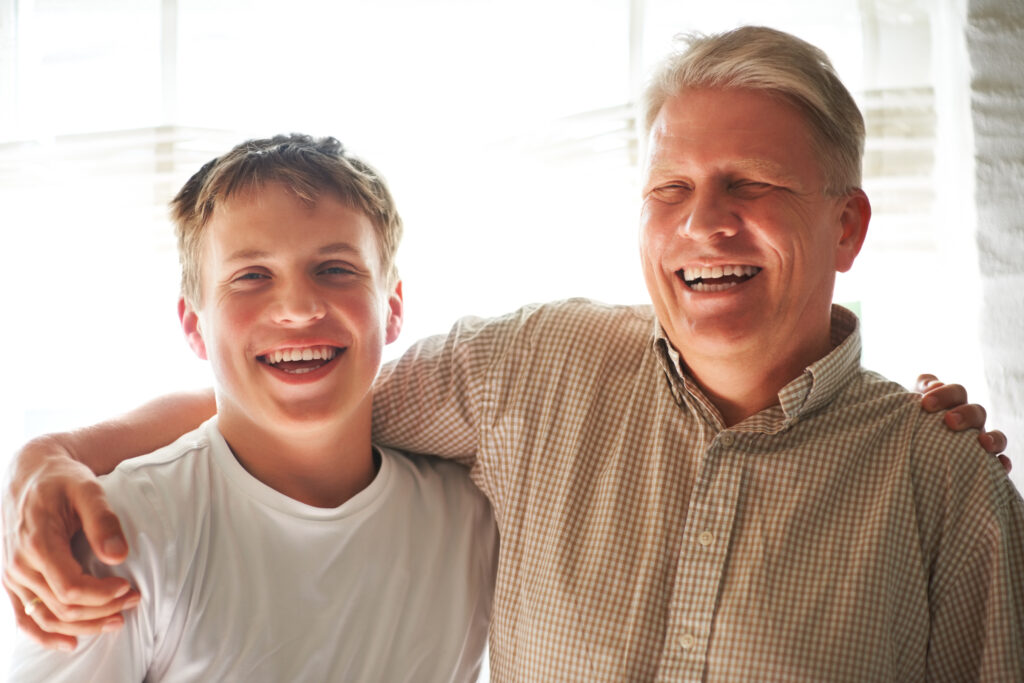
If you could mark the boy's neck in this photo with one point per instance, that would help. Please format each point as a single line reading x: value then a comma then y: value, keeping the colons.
x: 321, y: 465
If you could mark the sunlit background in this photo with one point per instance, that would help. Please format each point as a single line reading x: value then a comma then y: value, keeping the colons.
x: 505, y: 129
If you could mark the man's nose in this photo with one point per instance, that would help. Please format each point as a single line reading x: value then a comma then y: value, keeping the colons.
x: 711, y: 216
x: 298, y: 303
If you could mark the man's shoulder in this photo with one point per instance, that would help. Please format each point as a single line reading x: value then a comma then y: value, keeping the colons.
x: 588, y: 313
x: 958, y: 461
x: 565, y: 317
x: 569, y: 326
x: 945, y: 465
x: 866, y: 386
x: 894, y: 410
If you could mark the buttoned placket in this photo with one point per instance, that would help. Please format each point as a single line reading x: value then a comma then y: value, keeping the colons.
x: 701, y: 564
x: 706, y: 534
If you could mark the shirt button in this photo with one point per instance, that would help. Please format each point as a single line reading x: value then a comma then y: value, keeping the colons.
x: 686, y: 641
x: 706, y: 538
x: 728, y: 439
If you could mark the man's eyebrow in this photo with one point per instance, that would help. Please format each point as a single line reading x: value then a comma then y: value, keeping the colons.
x: 769, y: 168
x: 757, y: 165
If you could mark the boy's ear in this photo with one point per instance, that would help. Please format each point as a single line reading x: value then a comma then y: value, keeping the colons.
x: 396, y: 309
x: 190, y: 326
x: 854, y: 219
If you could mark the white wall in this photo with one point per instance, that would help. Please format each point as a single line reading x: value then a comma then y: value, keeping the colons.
x: 994, y: 32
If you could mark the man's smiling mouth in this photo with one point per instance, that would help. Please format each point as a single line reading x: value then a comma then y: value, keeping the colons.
x: 300, y: 361
x: 716, y: 278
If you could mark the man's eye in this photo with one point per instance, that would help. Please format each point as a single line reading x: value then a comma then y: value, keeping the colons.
x: 751, y: 188
x: 251, y: 276
x: 671, y: 193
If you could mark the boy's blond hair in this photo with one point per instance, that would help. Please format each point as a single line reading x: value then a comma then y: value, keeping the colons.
x: 305, y: 165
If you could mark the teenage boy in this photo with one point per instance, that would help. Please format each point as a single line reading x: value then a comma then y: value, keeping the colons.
x: 276, y: 542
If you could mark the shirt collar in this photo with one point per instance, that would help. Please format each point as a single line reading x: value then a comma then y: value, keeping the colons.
x: 823, y: 379
x: 815, y: 388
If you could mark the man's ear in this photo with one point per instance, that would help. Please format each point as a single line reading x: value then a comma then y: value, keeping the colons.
x: 190, y: 326
x: 396, y: 309
x: 853, y: 221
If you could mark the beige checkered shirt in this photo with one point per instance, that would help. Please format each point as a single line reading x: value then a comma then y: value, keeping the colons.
x: 842, y: 535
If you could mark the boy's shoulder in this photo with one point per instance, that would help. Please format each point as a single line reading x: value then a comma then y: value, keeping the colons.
x: 432, y: 485
x: 170, y: 457
x: 161, y: 486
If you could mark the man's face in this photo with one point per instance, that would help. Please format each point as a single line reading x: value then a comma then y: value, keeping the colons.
x: 739, y: 245
x: 294, y: 310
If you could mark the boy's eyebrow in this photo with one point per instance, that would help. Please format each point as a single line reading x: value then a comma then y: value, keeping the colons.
x: 337, y: 248
x: 247, y: 255
x: 326, y: 250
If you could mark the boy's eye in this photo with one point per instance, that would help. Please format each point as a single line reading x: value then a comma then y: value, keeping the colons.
x: 336, y: 270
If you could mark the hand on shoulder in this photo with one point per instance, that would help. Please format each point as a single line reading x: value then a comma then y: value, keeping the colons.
x: 50, y: 497
x: 960, y: 414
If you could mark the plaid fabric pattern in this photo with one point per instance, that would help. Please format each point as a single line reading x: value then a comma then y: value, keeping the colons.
x: 841, y: 535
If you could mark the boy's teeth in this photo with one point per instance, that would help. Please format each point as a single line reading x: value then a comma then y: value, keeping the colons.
x: 312, y: 353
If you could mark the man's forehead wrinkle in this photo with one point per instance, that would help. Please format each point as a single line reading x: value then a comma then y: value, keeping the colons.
x: 666, y: 165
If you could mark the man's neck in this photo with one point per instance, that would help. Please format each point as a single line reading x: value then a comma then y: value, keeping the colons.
x: 744, y: 384
x: 320, y: 466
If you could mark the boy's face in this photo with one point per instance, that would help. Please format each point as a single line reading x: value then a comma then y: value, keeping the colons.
x: 294, y: 312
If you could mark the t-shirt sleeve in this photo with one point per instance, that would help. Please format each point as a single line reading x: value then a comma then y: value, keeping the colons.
x: 126, y: 654
x: 107, y: 657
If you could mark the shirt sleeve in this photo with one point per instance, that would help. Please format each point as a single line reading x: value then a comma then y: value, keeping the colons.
x: 434, y: 398
x: 977, y: 585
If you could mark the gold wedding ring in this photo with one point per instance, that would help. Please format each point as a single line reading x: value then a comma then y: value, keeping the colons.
x: 32, y: 606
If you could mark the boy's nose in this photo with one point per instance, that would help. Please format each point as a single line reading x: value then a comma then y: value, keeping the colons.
x: 298, y: 304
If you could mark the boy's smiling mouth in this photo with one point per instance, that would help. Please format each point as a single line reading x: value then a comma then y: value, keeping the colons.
x: 298, y: 361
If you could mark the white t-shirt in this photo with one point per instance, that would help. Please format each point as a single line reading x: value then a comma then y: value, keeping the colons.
x: 242, y: 583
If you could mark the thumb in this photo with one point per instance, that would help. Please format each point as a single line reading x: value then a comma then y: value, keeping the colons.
x: 926, y: 382
x: 99, y: 523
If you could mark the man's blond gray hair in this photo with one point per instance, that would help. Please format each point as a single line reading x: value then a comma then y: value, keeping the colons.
x: 782, y: 65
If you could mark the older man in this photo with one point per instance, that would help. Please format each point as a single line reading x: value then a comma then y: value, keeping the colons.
x: 720, y: 491
x: 713, y: 488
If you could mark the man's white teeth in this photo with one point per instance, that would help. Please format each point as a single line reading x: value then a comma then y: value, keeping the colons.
x: 702, y: 287
x: 712, y: 272
x: 311, y: 353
